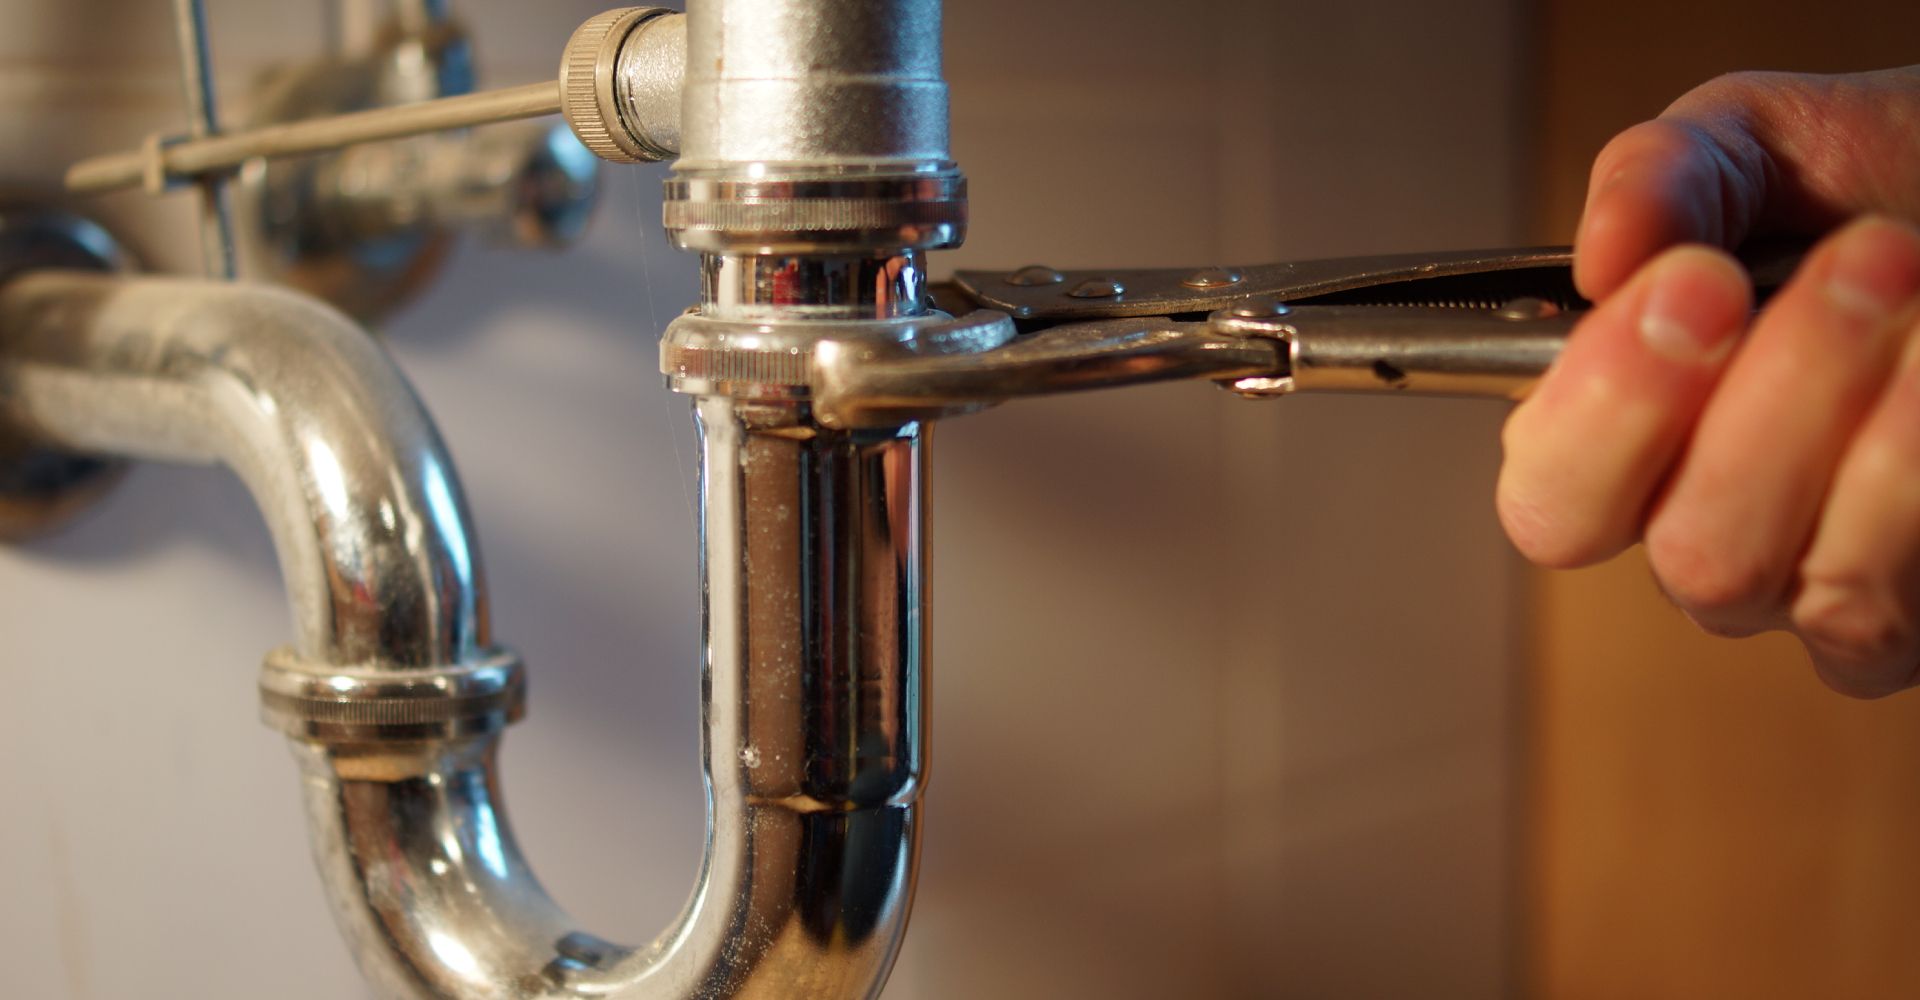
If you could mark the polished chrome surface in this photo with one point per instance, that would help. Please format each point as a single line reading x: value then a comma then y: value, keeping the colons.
x: 814, y: 582
x: 330, y: 703
x: 758, y: 286
x: 42, y: 489
x: 620, y: 78
x: 349, y: 473
x: 367, y: 227
x: 356, y: 227
x: 814, y: 128
x: 651, y: 73
x: 424, y: 876
x: 816, y: 209
x: 814, y: 170
x: 813, y: 83
x: 529, y: 184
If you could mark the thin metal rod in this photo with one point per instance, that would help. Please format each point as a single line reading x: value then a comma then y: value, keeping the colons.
x: 196, y: 80
x: 194, y: 157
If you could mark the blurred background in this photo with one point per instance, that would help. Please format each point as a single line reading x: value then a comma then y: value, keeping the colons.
x: 1230, y: 699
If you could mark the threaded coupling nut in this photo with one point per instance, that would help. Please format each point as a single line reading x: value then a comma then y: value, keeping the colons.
x: 323, y: 703
x: 589, y: 86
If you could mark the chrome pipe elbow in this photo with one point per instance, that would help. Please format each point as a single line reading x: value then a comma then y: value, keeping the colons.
x: 814, y: 177
x: 356, y: 489
x: 814, y: 718
x: 389, y: 687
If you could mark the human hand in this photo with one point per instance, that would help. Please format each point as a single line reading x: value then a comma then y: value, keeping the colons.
x: 1771, y: 465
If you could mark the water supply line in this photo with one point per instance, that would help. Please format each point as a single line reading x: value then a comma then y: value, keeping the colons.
x: 619, y: 88
x: 368, y: 227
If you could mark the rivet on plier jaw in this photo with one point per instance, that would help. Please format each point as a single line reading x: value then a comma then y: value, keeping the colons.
x: 1098, y: 288
x: 1213, y: 277
x: 1035, y: 274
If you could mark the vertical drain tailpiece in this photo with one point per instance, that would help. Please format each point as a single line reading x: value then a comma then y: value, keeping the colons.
x: 814, y: 176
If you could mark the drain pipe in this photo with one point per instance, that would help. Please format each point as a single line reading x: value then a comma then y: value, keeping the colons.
x: 355, y: 487
x: 395, y: 699
x: 391, y: 688
x: 815, y: 177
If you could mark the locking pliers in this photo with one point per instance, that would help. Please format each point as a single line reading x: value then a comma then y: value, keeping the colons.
x: 1472, y: 323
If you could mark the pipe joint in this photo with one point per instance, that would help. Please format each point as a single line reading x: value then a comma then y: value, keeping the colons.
x: 814, y: 127
x: 620, y: 82
x: 791, y: 209
x: 323, y: 703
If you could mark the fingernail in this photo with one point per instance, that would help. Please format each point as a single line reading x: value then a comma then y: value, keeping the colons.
x: 1873, y: 273
x: 1680, y: 323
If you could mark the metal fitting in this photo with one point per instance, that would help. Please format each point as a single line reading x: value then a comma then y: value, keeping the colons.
x: 43, y: 488
x: 324, y: 703
x: 813, y: 287
x: 819, y: 210
x: 815, y: 128
x: 527, y: 183
x: 706, y: 356
x: 620, y: 83
x: 368, y: 226
x: 813, y: 83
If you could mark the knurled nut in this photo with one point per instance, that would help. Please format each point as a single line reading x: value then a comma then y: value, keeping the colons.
x: 587, y: 71
x: 329, y: 704
x: 786, y: 369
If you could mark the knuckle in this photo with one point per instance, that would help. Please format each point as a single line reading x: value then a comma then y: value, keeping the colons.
x: 1656, y: 138
x: 1743, y: 90
x: 1882, y: 235
x: 1853, y: 626
x: 1708, y: 582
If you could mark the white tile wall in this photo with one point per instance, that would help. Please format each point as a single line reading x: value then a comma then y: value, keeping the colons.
x: 1222, y: 690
